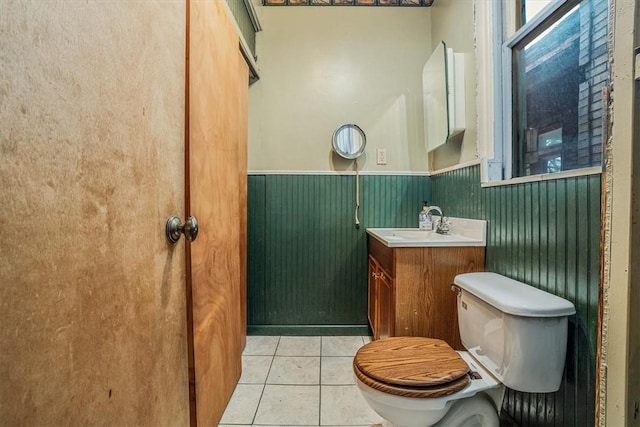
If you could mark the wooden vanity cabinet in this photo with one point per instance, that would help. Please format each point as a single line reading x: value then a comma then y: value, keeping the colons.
x: 410, y: 289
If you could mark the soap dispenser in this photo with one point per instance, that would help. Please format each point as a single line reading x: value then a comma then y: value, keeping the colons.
x: 425, y: 221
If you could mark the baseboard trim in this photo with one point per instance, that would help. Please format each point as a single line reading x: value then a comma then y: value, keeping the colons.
x: 309, y: 330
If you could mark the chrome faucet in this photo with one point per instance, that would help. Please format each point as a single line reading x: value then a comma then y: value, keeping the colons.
x: 442, y: 227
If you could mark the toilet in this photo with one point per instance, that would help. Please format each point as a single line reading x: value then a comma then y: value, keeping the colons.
x: 515, y: 336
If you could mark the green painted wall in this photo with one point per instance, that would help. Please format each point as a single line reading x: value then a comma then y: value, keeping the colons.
x: 307, y: 261
x: 546, y: 234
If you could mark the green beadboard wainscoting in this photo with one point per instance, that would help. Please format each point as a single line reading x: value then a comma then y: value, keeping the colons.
x: 307, y: 262
x: 546, y: 234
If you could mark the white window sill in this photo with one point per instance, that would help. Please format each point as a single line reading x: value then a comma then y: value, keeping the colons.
x: 455, y: 167
x: 544, y: 177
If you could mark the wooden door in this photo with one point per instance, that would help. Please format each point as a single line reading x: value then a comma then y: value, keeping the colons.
x: 217, y: 111
x: 92, y: 296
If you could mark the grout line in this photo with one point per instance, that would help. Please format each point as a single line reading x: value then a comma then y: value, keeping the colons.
x: 255, y: 414
x: 307, y: 356
x: 277, y: 345
x: 320, y: 386
x: 264, y: 385
x: 320, y: 404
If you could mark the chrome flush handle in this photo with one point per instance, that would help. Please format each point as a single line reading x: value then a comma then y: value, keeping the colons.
x: 456, y: 289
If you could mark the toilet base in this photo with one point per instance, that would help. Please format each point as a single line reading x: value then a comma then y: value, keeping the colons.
x: 477, y: 411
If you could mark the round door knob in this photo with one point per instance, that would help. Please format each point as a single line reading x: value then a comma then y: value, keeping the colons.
x: 175, y: 227
x: 191, y: 228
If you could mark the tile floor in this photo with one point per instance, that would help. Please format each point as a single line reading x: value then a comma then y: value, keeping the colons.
x: 299, y: 381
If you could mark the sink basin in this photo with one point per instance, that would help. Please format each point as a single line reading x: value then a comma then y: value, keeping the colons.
x: 429, y: 235
x: 464, y: 232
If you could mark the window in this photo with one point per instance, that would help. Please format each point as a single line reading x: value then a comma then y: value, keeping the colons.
x: 548, y: 99
x: 530, y: 8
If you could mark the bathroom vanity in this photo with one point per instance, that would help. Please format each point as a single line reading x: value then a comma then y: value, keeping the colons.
x: 410, y: 277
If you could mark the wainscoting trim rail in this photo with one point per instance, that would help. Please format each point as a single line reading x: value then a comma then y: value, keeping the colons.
x: 347, y: 173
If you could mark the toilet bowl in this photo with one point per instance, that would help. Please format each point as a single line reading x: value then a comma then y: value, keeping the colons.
x: 418, y: 382
x: 515, y: 336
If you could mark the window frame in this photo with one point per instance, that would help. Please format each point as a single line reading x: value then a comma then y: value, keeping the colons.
x: 497, y: 160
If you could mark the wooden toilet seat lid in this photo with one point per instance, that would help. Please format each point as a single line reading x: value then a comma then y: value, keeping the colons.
x: 428, y: 366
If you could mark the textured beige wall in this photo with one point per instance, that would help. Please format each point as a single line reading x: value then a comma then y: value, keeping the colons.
x: 452, y: 22
x: 321, y: 67
x: 92, y: 298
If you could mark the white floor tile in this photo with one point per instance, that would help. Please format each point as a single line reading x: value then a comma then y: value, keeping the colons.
x: 261, y: 346
x: 289, y: 405
x: 299, y: 346
x: 336, y: 371
x: 341, y: 346
x: 243, y: 404
x: 292, y: 369
x: 345, y: 406
x: 255, y: 369
x: 295, y: 370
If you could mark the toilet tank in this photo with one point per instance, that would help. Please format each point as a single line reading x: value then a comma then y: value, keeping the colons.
x: 516, y: 331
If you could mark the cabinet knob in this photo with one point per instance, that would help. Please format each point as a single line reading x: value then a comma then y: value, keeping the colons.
x: 374, y: 275
x: 382, y: 275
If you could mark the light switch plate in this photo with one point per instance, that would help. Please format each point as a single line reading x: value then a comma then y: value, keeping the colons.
x: 381, y: 156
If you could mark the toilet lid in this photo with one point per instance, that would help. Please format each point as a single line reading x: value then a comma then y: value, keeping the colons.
x: 411, y: 366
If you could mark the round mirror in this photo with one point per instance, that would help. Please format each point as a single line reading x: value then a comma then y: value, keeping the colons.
x: 349, y: 141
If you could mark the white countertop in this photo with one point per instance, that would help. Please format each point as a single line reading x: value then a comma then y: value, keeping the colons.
x: 464, y: 232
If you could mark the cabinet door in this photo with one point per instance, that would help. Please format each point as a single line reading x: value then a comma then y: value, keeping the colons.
x: 371, y: 306
x: 385, y: 306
